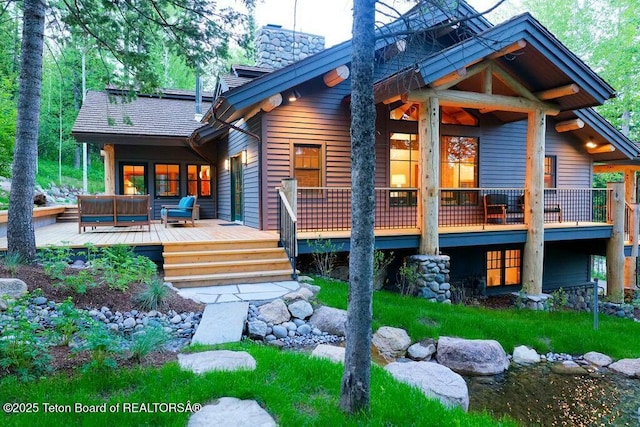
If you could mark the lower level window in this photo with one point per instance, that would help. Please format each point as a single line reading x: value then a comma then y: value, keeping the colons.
x: 503, y: 267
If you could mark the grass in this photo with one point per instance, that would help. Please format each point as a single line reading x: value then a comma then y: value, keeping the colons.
x: 295, y: 389
x: 560, y: 331
x: 72, y: 177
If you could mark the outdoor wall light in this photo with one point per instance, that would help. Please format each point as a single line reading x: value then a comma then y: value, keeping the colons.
x: 591, y: 144
x: 226, y: 164
x: 294, y: 95
x: 244, y: 157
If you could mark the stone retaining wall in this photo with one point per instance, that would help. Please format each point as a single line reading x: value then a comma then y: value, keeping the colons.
x: 434, y: 282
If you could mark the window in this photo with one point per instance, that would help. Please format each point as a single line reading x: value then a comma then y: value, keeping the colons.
x: 403, y: 168
x: 134, y: 179
x: 503, y: 267
x: 167, y: 179
x: 199, y: 180
x: 550, y: 172
x: 307, y: 165
x: 459, y: 169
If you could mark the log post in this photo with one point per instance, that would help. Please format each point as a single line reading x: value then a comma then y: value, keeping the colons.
x: 533, y: 258
x: 108, y: 154
x: 630, y: 262
x: 429, y: 130
x: 615, y: 244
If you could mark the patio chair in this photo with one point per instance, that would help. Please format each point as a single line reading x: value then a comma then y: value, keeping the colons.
x: 183, y: 211
x: 495, y: 207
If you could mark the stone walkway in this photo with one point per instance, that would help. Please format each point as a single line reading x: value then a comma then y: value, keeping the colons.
x: 237, y: 293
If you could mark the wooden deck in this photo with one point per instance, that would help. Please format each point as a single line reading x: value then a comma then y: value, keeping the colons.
x: 205, y: 230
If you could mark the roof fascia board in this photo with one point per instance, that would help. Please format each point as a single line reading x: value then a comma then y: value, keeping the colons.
x: 500, y: 36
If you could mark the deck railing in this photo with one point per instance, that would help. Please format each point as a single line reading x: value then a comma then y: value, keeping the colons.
x: 287, y: 225
x: 329, y: 208
x: 631, y: 224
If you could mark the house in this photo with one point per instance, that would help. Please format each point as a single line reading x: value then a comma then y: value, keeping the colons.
x: 486, y: 148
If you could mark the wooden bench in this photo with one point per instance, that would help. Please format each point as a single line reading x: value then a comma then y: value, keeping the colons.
x: 113, y: 210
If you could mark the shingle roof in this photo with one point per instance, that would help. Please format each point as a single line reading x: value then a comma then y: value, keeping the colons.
x: 169, y: 115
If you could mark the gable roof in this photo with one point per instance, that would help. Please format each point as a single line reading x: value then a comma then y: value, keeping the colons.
x: 170, y: 114
x: 232, y: 104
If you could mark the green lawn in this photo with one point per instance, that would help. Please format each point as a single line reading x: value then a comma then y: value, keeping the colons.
x: 561, y: 331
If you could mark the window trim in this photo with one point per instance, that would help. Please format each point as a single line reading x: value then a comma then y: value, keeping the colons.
x: 554, y: 172
x: 124, y: 163
x: 178, y: 180
x: 322, y: 161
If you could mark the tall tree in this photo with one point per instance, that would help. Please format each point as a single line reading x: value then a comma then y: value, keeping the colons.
x: 354, y: 393
x: 123, y: 31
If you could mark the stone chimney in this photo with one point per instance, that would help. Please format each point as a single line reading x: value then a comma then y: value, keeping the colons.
x: 276, y: 47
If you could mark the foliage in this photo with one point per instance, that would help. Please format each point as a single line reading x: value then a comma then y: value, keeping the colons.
x: 79, y: 282
x: 71, y: 175
x: 119, y: 266
x: 154, y: 294
x: 55, y: 260
x: 146, y: 341
x: 23, y: 349
x: 12, y: 261
x: 408, y: 278
x: 381, y: 262
x: 68, y: 322
x: 323, y: 254
x: 558, y: 300
x: 315, y: 400
x: 102, y: 344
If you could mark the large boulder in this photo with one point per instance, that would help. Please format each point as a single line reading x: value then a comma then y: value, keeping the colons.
x: 301, y: 293
x: 331, y: 320
x: 391, y: 342
x: 275, y: 312
x: 422, y: 350
x: 472, y: 357
x: 331, y: 352
x: 434, y: 380
x: 523, y: 355
x: 300, y: 309
x: 12, y: 288
x: 628, y: 367
x: 598, y: 359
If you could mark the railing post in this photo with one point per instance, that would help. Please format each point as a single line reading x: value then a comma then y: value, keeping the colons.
x: 289, y: 187
x: 615, y: 244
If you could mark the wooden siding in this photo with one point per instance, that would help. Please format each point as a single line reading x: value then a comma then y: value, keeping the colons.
x: 565, y: 264
x: 233, y: 145
x: 137, y: 154
x: 318, y: 117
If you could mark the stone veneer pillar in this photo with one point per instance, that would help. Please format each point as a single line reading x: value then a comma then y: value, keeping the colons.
x: 434, y: 270
x: 277, y: 47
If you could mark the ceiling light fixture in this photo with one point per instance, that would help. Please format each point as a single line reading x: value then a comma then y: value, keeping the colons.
x: 294, y: 95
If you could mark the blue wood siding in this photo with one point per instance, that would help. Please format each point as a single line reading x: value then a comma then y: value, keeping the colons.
x: 233, y: 145
x: 138, y: 154
x: 318, y: 117
x: 565, y: 264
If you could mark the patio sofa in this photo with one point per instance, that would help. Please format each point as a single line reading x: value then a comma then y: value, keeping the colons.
x: 114, y: 210
x: 184, y: 211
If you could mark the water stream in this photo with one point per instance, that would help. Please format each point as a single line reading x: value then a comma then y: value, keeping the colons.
x: 536, y: 396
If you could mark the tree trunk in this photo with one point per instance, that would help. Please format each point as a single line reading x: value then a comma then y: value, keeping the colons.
x: 20, y: 235
x: 354, y: 393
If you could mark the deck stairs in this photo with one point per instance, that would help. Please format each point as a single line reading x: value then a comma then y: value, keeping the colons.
x: 70, y: 214
x: 195, y: 264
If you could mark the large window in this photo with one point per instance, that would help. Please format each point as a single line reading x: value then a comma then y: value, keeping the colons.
x: 503, y: 267
x: 550, y: 172
x: 459, y: 169
x: 307, y: 165
x: 134, y: 179
x: 167, y: 178
x: 199, y: 180
x: 403, y: 167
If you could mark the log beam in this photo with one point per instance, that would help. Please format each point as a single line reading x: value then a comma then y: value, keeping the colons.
x: 108, y: 155
x: 615, y: 168
x: 615, y: 244
x: 429, y: 130
x: 569, y: 125
x: 336, y: 76
x: 606, y: 148
x: 457, y: 76
x: 512, y: 48
x: 508, y: 80
x: 456, y: 98
x: 533, y: 257
x: 558, y: 92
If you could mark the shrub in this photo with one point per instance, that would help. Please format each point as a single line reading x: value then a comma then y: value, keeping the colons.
x: 55, y: 259
x: 23, y: 349
x: 119, y: 266
x: 12, y: 261
x: 78, y: 282
x: 408, y: 278
x: 101, y: 344
x: 380, y: 265
x: 68, y: 322
x: 558, y: 300
x: 324, y: 254
x: 146, y: 341
x: 153, y: 295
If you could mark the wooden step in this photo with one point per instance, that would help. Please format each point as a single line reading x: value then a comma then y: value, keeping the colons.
x: 192, y: 281
x: 222, y: 255
x: 220, y: 245
x: 223, y: 267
